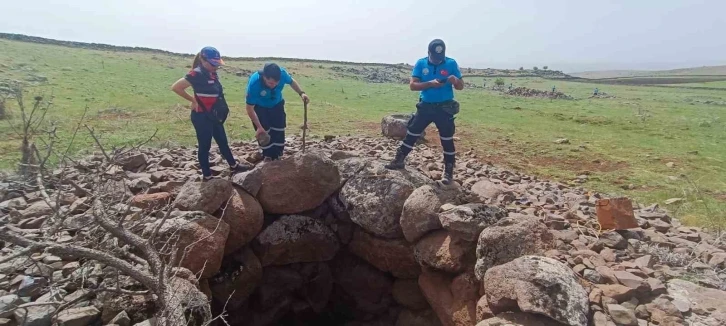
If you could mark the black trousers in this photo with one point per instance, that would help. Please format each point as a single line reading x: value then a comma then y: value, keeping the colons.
x: 426, y: 113
x: 208, y: 127
x: 274, y: 121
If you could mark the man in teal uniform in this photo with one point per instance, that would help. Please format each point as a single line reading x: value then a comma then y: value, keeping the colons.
x: 435, y: 76
x: 266, y: 107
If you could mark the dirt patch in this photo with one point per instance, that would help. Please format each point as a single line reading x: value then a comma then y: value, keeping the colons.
x: 578, y: 164
x: 721, y: 197
x: 113, y: 114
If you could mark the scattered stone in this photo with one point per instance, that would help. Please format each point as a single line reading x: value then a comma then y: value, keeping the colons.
x: 612, y: 239
x: 618, y: 292
x: 518, y: 319
x: 622, y: 315
x: 34, y: 315
x: 151, y: 201
x: 81, y: 316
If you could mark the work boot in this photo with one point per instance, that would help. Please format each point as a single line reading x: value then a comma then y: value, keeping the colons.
x: 448, y: 174
x: 398, y: 162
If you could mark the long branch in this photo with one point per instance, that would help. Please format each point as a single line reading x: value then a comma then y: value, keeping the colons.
x: 75, y: 251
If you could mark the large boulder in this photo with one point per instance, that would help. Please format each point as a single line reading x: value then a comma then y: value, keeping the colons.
x: 467, y: 221
x: 445, y: 252
x: 245, y: 217
x: 298, y: 183
x: 375, y: 197
x: 396, y: 125
x: 238, y: 277
x: 421, y: 208
x: 199, y: 239
x: 537, y: 285
x: 453, y: 299
x: 295, y: 239
x: 207, y: 196
x: 389, y: 255
x: 510, y: 238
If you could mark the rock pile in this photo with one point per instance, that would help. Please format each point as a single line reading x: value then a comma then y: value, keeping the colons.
x: 377, y: 74
x: 331, y: 237
x: 529, y: 92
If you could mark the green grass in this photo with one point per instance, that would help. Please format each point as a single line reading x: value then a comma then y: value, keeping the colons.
x: 623, y: 140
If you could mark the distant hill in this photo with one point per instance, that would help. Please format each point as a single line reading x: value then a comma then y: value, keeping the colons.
x: 695, y: 71
x: 467, y: 72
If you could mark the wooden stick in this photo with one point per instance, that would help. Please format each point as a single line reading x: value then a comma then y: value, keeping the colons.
x: 305, y: 123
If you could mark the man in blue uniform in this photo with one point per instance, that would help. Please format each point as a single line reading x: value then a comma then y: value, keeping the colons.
x: 266, y: 107
x: 435, y: 76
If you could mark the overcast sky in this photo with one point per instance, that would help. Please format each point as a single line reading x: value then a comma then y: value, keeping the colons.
x: 569, y: 35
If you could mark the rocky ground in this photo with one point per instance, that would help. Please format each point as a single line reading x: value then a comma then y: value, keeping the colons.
x: 331, y: 237
x: 529, y: 92
x: 377, y: 74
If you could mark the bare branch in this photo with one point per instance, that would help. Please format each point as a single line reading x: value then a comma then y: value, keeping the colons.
x: 76, y: 251
x: 98, y: 142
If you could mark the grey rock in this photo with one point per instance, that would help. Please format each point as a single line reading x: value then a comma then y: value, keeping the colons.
x: 8, y: 303
x: 420, y: 210
x: 206, y: 196
x: 81, y: 316
x: 375, y: 197
x: 122, y: 319
x: 295, y: 239
x: 298, y: 183
x: 250, y: 181
x: 537, y: 285
x: 612, y: 239
x: 467, y: 221
x: 622, y: 315
x: 30, y: 315
x: 503, y: 242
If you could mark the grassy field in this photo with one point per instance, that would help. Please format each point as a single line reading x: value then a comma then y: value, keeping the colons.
x: 623, y: 142
x: 695, y: 71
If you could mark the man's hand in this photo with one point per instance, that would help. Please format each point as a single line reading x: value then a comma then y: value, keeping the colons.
x: 435, y: 84
x: 452, y: 79
x: 260, y: 132
x: 305, y: 98
x: 194, y: 106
